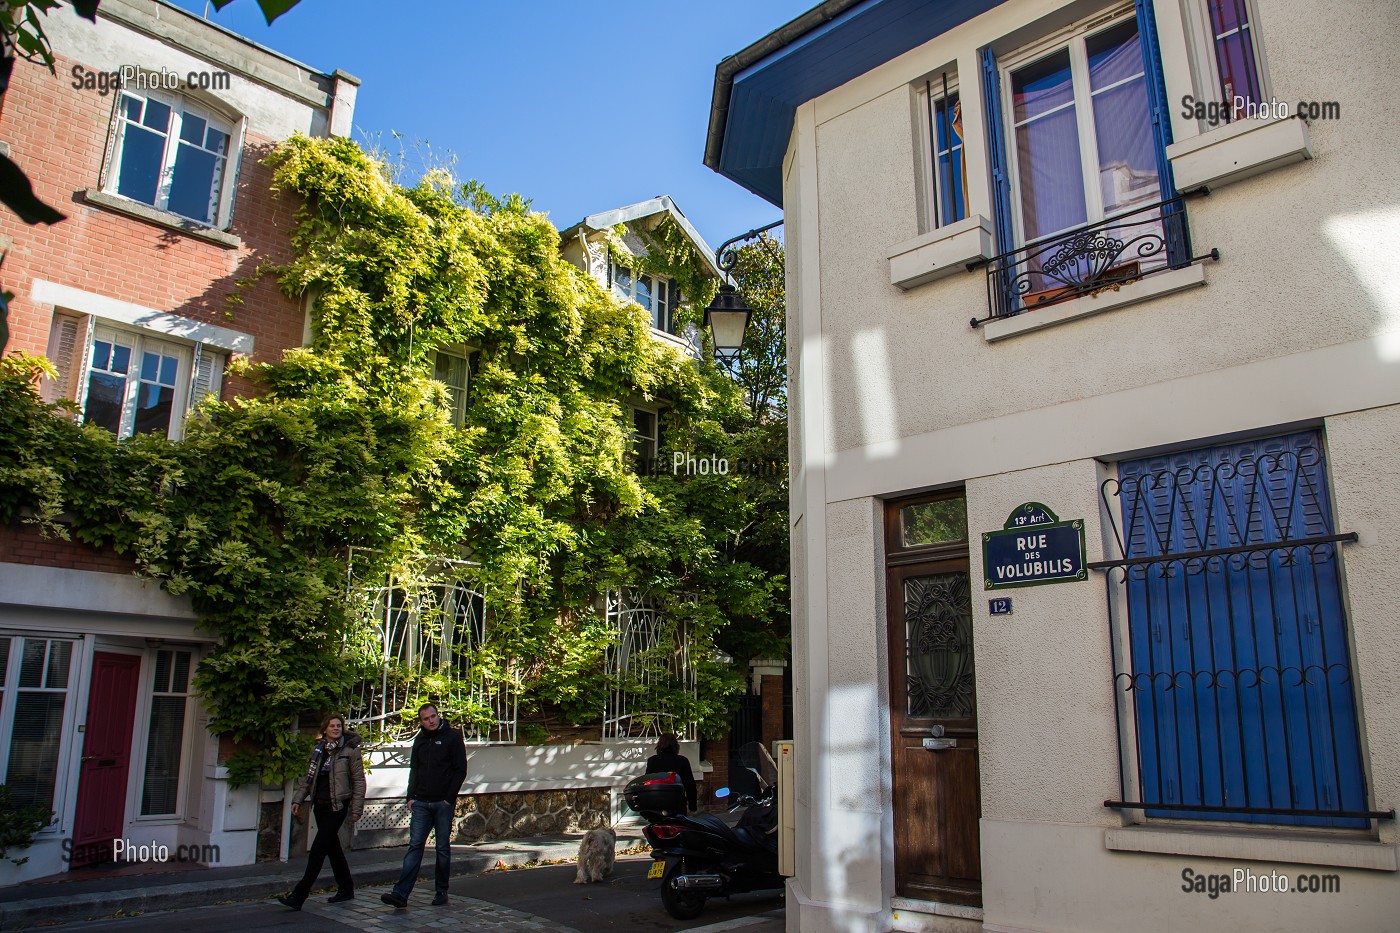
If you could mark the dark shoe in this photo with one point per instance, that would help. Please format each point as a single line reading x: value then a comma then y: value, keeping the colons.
x: 439, y: 900
x: 393, y: 900
x: 340, y: 897
x: 286, y: 900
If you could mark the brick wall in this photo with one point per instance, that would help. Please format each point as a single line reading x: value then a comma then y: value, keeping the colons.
x: 24, y: 544
x: 716, y: 752
x: 58, y: 135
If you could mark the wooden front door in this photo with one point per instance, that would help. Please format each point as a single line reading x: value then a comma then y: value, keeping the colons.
x: 933, y: 715
x: 102, y: 780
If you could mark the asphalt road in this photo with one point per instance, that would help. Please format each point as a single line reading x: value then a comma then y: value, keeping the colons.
x: 539, y: 900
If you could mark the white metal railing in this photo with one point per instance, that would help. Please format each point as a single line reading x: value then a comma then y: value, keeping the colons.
x: 637, y: 680
x: 428, y: 623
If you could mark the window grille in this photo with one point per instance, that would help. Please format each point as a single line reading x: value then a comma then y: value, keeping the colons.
x: 643, y: 637
x: 1232, y: 672
x: 431, y: 621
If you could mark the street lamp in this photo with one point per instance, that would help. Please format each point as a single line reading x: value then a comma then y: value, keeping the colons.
x: 727, y: 319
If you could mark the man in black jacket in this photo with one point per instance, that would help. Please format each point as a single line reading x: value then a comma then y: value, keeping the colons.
x: 435, y: 775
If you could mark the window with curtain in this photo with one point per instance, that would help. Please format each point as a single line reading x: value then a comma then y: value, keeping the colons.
x: 645, y: 439
x: 34, y: 678
x: 1081, y: 125
x: 452, y: 370
x: 946, y: 139
x: 165, y: 736
x: 1233, y: 47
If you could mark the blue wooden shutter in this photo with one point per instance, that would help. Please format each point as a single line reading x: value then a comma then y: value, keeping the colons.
x: 1240, y: 663
x: 996, y: 153
x: 1178, y: 235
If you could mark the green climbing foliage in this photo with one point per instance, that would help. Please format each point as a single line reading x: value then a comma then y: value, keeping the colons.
x: 349, y: 448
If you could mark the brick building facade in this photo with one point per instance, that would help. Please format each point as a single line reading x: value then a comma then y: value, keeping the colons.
x: 169, y: 208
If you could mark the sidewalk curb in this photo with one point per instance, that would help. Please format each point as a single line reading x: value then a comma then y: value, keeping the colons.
x: 174, y: 896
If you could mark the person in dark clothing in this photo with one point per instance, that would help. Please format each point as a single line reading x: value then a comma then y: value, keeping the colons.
x: 334, y: 787
x: 437, y: 768
x: 668, y: 757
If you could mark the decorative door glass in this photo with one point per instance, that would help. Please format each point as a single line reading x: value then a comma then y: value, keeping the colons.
x: 938, y: 640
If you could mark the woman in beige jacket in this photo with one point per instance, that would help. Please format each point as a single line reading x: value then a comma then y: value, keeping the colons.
x: 334, y: 787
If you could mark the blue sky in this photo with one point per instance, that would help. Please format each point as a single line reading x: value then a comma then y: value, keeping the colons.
x: 581, y: 107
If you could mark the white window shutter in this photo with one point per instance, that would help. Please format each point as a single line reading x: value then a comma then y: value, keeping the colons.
x: 208, y: 375
x: 63, y: 352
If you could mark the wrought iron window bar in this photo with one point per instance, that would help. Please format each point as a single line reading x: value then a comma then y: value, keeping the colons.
x: 641, y: 632
x: 1271, y: 506
x: 1088, y: 260
x: 428, y: 621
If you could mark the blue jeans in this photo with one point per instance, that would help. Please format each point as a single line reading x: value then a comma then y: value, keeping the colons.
x: 437, y: 816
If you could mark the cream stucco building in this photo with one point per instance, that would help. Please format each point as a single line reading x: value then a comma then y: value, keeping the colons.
x: 1095, y: 414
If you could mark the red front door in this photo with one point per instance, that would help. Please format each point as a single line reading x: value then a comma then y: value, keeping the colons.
x: 102, y: 780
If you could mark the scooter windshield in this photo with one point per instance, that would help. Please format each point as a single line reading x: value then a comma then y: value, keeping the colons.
x: 755, y: 757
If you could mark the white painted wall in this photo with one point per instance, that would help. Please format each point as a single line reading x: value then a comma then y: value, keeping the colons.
x: 893, y: 393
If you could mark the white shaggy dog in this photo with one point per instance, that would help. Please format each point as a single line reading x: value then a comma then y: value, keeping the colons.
x: 595, y: 855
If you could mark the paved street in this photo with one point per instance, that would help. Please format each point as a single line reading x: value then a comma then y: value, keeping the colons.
x: 533, y: 900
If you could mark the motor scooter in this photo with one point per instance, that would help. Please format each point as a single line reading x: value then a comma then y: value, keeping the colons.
x: 699, y: 856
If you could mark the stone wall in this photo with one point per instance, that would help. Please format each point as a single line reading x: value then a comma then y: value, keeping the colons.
x: 531, y: 813
x: 494, y: 816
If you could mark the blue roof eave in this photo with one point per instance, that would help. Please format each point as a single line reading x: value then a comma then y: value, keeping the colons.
x: 758, y: 91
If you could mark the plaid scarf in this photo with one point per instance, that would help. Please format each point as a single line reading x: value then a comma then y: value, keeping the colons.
x: 321, y: 751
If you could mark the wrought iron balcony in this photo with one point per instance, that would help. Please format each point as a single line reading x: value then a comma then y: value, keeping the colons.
x: 1091, y: 259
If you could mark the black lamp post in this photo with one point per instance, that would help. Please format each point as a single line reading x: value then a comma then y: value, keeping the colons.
x: 727, y: 319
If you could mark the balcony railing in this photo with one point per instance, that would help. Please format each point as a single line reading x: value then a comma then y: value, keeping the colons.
x: 1091, y: 259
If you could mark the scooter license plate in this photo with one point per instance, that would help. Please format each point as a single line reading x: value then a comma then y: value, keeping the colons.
x: 658, y: 868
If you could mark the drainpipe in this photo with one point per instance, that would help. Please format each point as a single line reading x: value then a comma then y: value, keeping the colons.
x: 587, y: 255
x: 285, y: 848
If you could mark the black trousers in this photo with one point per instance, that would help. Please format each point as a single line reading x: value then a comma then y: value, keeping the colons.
x: 326, y: 845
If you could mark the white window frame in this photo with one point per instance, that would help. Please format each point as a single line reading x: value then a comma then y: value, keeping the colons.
x: 142, y: 735
x: 9, y: 700
x: 639, y: 440
x: 659, y: 283
x: 930, y: 92
x: 178, y: 104
x: 457, y: 412
x: 1206, y: 70
x: 141, y: 342
x: 199, y: 367
x: 1072, y: 39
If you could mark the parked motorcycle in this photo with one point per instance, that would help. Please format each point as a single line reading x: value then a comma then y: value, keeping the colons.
x: 700, y: 856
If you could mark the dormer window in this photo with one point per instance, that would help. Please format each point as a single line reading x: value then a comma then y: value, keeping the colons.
x: 172, y: 154
x: 658, y: 295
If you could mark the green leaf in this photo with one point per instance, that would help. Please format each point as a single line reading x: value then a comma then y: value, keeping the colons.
x: 18, y: 194
x: 271, y: 8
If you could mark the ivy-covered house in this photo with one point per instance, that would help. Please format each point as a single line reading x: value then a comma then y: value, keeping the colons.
x: 321, y: 442
x: 433, y: 615
x: 149, y: 135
